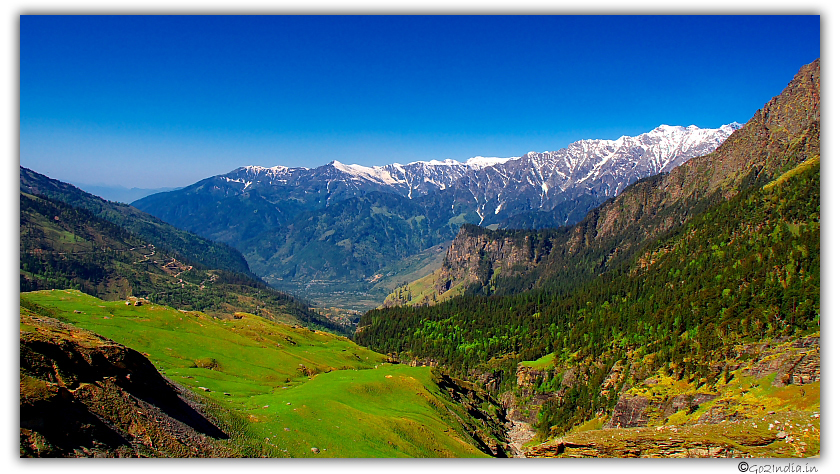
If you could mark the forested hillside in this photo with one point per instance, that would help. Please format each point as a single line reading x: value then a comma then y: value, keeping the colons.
x: 747, y: 270
x: 185, y: 245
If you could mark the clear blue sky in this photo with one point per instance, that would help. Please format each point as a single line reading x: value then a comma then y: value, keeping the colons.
x: 165, y: 101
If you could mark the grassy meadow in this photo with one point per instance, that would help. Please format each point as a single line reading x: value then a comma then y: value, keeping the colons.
x: 294, y: 392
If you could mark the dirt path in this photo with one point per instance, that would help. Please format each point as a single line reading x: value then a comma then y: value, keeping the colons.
x: 519, y: 434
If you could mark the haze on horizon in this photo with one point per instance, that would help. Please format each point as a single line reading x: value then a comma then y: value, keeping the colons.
x: 164, y: 101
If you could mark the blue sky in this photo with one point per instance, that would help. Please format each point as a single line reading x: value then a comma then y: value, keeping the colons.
x: 165, y: 101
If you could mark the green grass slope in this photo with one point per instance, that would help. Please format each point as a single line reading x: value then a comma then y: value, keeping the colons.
x: 299, y: 392
x: 82, y: 395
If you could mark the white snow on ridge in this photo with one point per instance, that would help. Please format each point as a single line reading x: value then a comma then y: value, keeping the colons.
x: 397, y: 173
x: 375, y: 173
x: 448, y: 162
x: 485, y: 161
x: 279, y: 169
x: 690, y: 134
x: 544, y: 174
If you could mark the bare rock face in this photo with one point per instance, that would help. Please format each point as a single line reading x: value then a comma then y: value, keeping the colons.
x: 639, y: 410
x: 526, y: 377
x: 476, y: 255
x: 635, y: 447
x: 629, y: 412
x: 613, y: 378
x: 796, y: 362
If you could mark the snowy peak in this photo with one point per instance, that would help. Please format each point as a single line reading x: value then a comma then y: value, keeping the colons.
x: 650, y: 153
x: 587, y: 171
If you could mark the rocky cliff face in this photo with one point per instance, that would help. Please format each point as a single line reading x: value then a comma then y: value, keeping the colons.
x: 796, y: 364
x: 82, y: 395
x: 477, y: 256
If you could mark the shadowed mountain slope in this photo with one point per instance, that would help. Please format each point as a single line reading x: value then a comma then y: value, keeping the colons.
x: 187, y: 246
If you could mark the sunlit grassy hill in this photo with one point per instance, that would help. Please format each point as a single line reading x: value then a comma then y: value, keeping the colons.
x: 300, y: 392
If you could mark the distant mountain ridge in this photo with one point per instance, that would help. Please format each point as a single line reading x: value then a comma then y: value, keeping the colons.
x: 196, y: 249
x: 341, y: 224
x: 499, y: 186
x: 121, y: 193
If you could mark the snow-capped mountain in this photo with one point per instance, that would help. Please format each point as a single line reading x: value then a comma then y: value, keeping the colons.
x: 410, y: 180
x: 595, y: 169
x: 501, y: 187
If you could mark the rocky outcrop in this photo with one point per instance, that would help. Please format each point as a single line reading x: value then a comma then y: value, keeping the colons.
x: 796, y: 362
x: 82, y: 395
x: 791, y: 362
x: 629, y: 412
x: 788, y: 434
x: 637, y: 447
x: 527, y: 377
x: 635, y: 411
x: 477, y: 255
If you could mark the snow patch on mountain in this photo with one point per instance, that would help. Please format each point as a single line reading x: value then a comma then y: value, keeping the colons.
x: 485, y: 161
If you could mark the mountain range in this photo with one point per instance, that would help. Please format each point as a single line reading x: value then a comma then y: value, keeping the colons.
x: 322, y: 229
x: 120, y: 193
